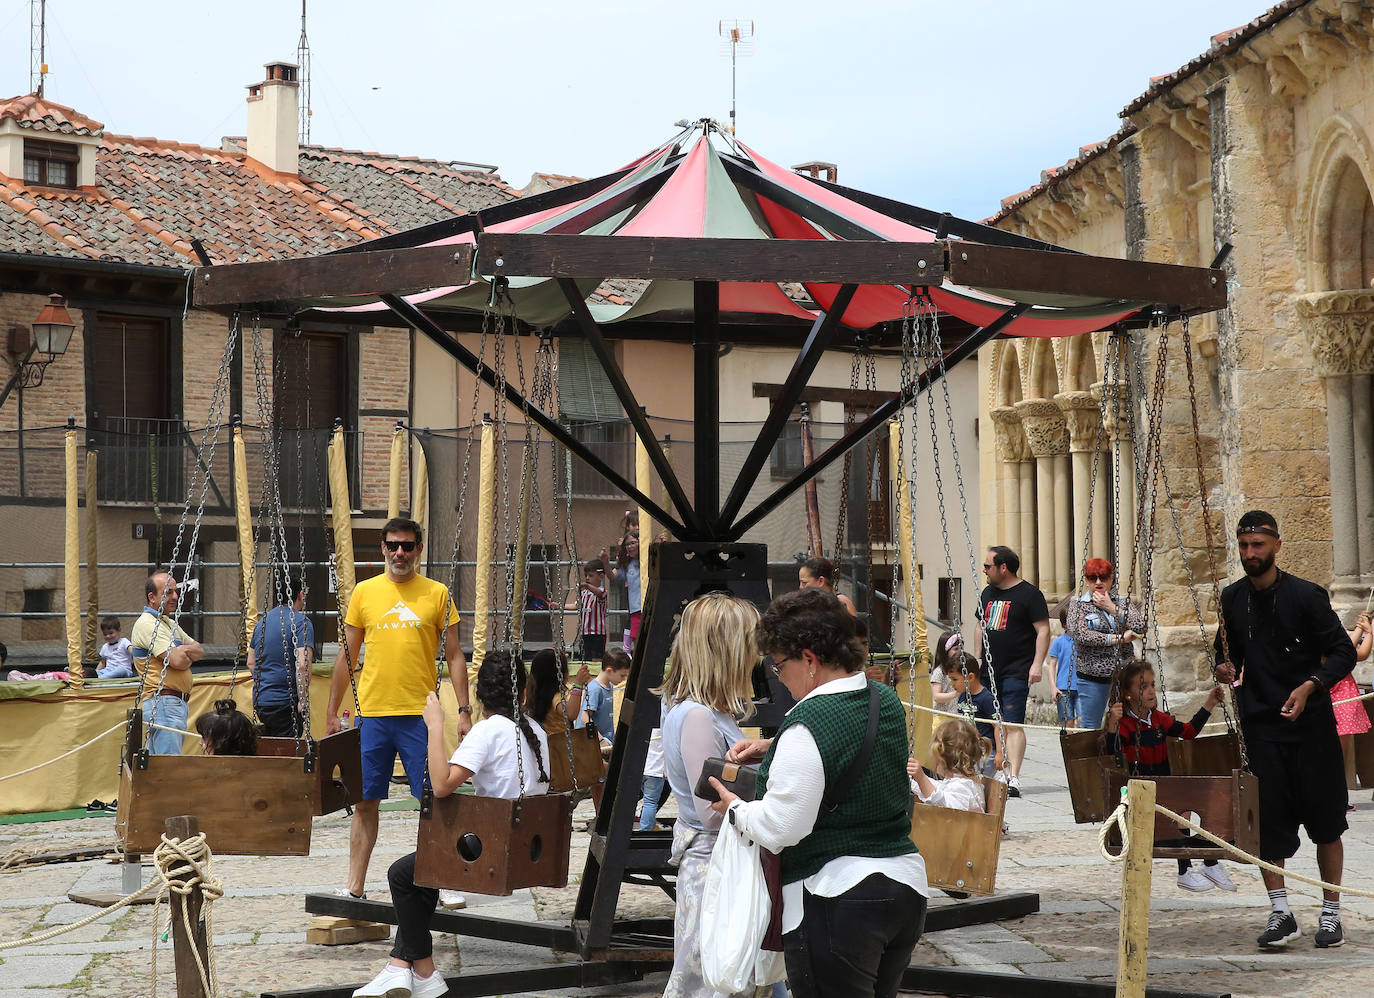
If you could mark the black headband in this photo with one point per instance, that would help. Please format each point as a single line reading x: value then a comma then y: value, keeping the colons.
x: 1258, y: 528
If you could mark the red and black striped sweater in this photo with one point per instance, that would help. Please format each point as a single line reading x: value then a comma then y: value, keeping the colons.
x: 1141, y: 742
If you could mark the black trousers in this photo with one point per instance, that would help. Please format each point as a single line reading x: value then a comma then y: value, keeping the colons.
x: 856, y: 945
x: 414, y: 908
x: 280, y: 722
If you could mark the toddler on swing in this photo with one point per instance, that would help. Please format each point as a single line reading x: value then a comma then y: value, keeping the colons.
x: 1138, y: 731
x: 487, y: 756
x: 955, y: 749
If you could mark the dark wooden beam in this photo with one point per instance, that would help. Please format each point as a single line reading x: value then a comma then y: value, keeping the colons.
x: 825, y: 261
x: 855, y: 398
x: 880, y: 415
x: 638, y: 418
x: 817, y: 340
x: 423, y: 324
x: 383, y: 271
x: 1015, y: 272
x: 990, y: 984
x: 706, y: 404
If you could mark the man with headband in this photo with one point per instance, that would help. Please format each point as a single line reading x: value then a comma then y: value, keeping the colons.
x: 1283, y: 648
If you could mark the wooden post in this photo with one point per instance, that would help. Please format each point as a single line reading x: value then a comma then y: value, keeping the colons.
x: 184, y: 947
x: 1134, y: 933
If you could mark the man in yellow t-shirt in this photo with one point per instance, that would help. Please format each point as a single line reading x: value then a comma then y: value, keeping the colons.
x: 400, y: 615
x: 163, y: 654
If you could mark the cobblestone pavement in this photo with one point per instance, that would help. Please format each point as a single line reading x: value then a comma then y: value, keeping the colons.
x: 1197, y: 941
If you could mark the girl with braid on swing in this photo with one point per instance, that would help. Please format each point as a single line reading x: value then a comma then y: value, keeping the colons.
x: 502, y: 759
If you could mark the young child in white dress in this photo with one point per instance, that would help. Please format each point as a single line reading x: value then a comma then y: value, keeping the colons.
x: 955, y: 749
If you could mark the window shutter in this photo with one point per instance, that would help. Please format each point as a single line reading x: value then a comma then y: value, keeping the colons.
x: 584, y: 391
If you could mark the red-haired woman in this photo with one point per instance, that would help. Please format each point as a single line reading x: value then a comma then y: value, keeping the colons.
x: 1102, y: 626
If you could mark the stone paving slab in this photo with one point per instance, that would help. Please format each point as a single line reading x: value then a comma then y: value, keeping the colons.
x: 1197, y: 941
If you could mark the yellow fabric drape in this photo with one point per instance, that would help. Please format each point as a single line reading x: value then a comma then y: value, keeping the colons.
x: 420, y: 513
x: 92, y: 644
x: 243, y: 518
x: 522, y: 543
x: 398, y: 459
x: 486, y: 510
x: 915, y: 604
x: 343, y: 524
x: 644, y: 482
x: 72, y: 580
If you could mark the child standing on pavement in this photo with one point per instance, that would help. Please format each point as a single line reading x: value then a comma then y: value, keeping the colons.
x: 599, y: 705
x: 1351, y: 718
x: 1064, y: 671
x: 1138, y: 731
x: 592, y: 602
x: 977, y: 705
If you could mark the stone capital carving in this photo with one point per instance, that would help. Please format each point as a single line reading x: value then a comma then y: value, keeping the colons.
x: 1340, y: 331
x: 1117, y: 396
x: 1011, y: 440
x: 1083, y: 418
x: 1046, y: 431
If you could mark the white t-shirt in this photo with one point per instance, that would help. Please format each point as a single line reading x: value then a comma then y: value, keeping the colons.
x: 489, y: 751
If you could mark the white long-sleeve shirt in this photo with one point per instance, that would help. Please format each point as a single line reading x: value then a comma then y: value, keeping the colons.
x: 788, y: 811
x: 957, y: 792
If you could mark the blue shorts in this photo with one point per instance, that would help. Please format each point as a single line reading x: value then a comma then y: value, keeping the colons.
x: 383, y: 739
x: 1068, y: 706
x: 1011, y: 697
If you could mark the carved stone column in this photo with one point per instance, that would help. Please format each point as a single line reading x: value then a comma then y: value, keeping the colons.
x: 1010, y: 448
x: 1340, y: 331
x: 1048, y: 438
x: 1122, y: 454
x: 1084, y: 422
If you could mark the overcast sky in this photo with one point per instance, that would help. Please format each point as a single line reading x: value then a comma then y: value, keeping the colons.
x: 951, y: 105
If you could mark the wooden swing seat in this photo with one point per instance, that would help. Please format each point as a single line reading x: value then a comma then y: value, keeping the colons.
x: 1227, y: 806
x: 961, y: 848
x: 246, y: 805
x: 1207, y: 755
x: 492, y: 845
x: 1084, y: 762
x: 588, y: 764
x: 338, y: 774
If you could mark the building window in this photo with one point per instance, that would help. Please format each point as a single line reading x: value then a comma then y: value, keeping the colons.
x: 614, y: 442
x: 950, y: 597
x: 50, y: 164
x: 788, y: 458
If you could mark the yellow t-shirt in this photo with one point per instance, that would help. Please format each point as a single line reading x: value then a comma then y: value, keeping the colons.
x: 401, y: 627
x: 152, y: 637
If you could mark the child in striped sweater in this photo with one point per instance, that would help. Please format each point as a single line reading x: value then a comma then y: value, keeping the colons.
x: 1138, y: 730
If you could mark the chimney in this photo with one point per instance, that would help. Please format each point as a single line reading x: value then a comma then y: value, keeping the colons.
x: 274, y: 118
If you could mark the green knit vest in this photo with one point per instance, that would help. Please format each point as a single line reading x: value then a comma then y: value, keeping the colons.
x: 874, y: 819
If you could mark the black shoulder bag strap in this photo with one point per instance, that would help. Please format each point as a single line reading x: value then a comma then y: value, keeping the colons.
x: 837, y: 794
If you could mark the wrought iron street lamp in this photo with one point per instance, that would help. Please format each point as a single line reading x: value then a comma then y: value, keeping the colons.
x: 48, y: 339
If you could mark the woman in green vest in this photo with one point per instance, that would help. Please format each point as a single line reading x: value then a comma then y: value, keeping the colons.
x: 854, y: 887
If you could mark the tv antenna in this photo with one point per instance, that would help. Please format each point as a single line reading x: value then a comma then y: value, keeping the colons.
x: 738, y: 37
x: 38, y: 45
x: 303, y: 61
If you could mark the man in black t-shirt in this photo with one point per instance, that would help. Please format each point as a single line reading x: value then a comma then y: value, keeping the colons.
x: 1016, y: 637
x: 1285, y: 645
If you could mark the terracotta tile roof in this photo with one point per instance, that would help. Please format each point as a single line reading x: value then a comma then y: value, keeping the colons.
x: 152, y: 197
x: 43, y: 115
x: 1052, y: 176
x: 1223, y: 44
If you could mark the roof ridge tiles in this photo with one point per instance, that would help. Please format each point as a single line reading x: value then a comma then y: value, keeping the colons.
x: 13, y: 195
x: 159, y: 232
x: 333, y: 209
x: 169, y: 145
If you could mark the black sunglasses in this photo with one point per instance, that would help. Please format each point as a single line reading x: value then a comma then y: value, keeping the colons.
x: 406, y: 546
x: 1098, y: 578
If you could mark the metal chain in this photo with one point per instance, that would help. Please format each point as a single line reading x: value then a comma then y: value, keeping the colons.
x: 908, y: 482
x: 850, y: 417
x: 209, y: 439
x: 1207, y: 532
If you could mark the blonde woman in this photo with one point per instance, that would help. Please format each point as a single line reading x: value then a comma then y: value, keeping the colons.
x: 706, y: 688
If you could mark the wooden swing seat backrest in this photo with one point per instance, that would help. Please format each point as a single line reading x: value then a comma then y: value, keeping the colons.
x: 493, y: 845
x: 588, y: 762
x: 1226, y: 806
x: 1208, y: 755
x: 338, y: 778
x: 1084, y: 762
x: 246, y: 805
x: 961, y: 848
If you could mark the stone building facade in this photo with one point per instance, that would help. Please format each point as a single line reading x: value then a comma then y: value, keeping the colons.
x: 1265, y: 142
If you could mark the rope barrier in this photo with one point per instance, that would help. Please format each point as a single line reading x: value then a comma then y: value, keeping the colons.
x: 985, y: 720
x: 173, y: 858
x: 1117, y: 818
x: 70, y: 752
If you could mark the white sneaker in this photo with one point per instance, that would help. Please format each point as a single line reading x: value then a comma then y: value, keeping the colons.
x: 392, y: 982
x: 1191, y: 880
x: 428, y: 987
x: 1218, y: 875
x: 1000, y: 776
x: 453, y: 901
x: 344, y: 892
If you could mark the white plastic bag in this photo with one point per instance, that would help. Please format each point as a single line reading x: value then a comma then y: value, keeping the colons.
x: 734, y: 917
